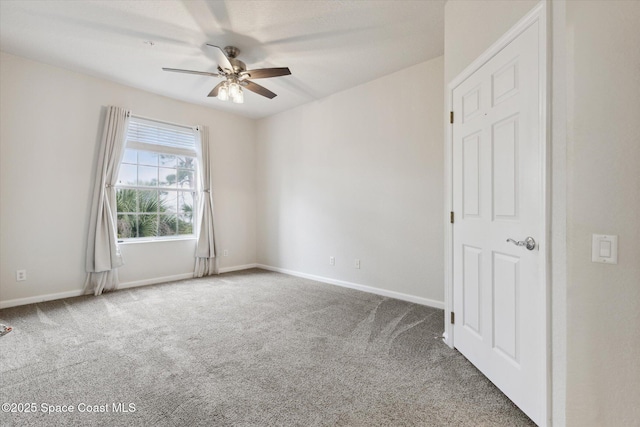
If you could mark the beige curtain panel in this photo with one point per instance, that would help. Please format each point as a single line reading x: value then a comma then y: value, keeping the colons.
x: 205, y: 250
x: 103, y: 253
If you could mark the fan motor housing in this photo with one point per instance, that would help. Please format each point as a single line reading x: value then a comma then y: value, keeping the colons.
x: 238, y: 66
x: 232, y: 52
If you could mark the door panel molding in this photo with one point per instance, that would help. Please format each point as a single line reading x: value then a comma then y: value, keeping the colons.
x: 505, y: 84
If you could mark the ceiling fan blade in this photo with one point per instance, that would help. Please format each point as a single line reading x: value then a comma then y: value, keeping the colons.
x: 214, y: 91
x: 260, y: 90
x: 265, y: 73
x: 202, y: 73
x: 221, y: 57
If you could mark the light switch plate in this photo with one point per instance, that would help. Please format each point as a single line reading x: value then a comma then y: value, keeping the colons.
x: 604, y: 248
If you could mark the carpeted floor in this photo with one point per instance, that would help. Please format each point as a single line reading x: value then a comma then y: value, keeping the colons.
x: 252, y: 348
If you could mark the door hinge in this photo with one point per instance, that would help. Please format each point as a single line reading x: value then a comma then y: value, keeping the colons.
x: 452, y: 218
x: 450, y: 116
x: 453, y: 318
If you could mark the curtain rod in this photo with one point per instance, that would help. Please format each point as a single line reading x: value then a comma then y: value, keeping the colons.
x: 161, y: 121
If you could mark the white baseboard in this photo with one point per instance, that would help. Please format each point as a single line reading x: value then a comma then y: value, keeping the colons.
x: 155, y: 280
x: 392, y: 294
x: 364, y: 288
x: 69, y: 294
x: 446, y: 340
x: 39, y: 298
x: 237, y: 268
x: 126, y: 285
x: 179, y: 277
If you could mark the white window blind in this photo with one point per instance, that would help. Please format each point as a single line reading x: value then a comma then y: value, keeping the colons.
x: 157, y: 181
x: 173, y: 138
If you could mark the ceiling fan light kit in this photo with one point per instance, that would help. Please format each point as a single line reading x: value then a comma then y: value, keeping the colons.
x: 230, y: 91
x: 223, y: 93
x: 236, y: 76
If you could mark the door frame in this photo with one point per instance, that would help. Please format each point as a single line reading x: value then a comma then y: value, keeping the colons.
x: 538, y: 14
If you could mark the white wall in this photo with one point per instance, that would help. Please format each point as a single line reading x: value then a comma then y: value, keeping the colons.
x: 358, y: 174
x: 603, y: 339
x: 50, y: 126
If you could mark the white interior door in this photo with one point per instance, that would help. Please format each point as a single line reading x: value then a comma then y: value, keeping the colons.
x: 498, y: 287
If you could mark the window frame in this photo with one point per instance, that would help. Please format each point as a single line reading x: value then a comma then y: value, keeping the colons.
x: 160, y: 149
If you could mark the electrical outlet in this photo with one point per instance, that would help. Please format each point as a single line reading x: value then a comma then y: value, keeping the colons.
x: 21, y: 275
x: 225, y: 252
x: 358, y: 264
x: 332, y: 260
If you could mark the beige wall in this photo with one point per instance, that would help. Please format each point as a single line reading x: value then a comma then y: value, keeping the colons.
x: 50, y: 124
x: 358, y: 174
x: 471, y: 26
x: 603, y: 328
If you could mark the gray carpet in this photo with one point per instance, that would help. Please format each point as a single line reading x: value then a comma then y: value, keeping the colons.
x: 252, y: 348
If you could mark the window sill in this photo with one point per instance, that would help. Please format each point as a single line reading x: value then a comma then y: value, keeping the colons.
x: 139, y: 241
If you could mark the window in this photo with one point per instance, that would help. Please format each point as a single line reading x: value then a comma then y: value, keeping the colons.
x: 157, y: 181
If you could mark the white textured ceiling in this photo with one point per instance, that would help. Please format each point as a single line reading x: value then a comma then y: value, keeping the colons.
x: 329, y: 45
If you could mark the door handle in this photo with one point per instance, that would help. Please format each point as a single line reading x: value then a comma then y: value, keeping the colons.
x: 529, y: 243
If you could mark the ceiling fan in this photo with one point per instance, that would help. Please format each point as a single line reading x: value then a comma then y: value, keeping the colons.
x: 236, y: 76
